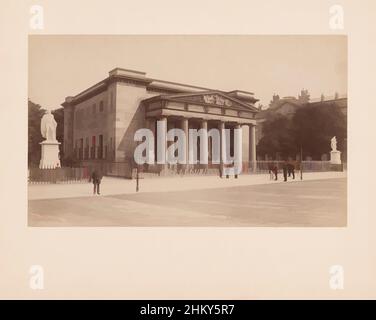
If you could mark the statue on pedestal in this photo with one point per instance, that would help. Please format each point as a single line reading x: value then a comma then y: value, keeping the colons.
x: 335, y: 155
x: 50, y: 146
x: 48, y: 126
x: 333, y: 143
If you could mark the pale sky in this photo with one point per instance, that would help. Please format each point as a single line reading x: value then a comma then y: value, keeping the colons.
x: 61, y: 66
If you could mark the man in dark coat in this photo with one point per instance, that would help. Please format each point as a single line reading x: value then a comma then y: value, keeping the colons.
x: 96, y: 177
x: 291, y: 168
x: 273, y: 170
x: 285, y: 168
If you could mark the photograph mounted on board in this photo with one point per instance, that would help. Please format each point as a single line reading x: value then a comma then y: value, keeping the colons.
x: 190, y: 130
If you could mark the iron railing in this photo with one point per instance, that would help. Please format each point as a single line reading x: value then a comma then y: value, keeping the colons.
x: 128, y: 170
x: 58, y: 175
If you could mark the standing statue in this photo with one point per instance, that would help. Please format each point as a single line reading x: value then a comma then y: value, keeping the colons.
x: 333, y: 143
x: 335, y: 155
x: 48, y: 126
x: 50, y: 147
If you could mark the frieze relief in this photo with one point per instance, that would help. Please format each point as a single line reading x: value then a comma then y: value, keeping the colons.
x: 217, y: 99
x: 213, y: 99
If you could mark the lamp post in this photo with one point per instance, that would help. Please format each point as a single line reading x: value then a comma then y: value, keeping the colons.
x: 301, y: 162
x: 137, y: 180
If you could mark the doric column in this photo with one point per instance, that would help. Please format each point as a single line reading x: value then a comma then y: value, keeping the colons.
x: 185, y: 128
x: 246, y: 151
x: 252, y: 147
x: 150, y: 124
x: 204, y: 151
x: 238, y: 144
x: 223, y: 145
x: 162, y: 140
x: 238, y: 149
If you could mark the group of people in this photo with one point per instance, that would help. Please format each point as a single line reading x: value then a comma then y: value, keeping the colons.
x: 288, y: 169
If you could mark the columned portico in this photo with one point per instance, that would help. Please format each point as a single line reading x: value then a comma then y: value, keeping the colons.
x: 196, y: 114
x: 247, y: 144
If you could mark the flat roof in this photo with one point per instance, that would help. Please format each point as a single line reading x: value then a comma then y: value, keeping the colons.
x: 141, y: 76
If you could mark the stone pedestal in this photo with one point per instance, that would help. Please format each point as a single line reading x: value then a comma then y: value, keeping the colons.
x: 50, y: 155
x: 335, y: 157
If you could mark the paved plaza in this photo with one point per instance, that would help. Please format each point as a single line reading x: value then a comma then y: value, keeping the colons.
x: 250, y: 201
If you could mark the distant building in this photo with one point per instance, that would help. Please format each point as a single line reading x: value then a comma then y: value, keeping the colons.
x: 337, y: 99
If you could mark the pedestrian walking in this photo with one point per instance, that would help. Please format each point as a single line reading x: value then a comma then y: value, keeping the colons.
x: 284, y: 168
x: 96, y: 178
x: 291, y: 168
x: 273, y: 171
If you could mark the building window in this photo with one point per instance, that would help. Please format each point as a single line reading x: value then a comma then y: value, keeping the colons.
x: 93, y: 146
x: 81, y: 149
x: 76, y: 149
x: 100, y: 147
x: 101, y: 108
x: 87, y: 147
x: 113, y: 149
x: 110, y: 148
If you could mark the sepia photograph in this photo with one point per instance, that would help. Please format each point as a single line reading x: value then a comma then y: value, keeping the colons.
x: 187, y: 130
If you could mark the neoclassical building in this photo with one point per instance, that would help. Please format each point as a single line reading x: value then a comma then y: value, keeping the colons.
x: 100, y: 122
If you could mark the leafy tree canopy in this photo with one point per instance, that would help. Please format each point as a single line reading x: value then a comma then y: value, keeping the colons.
x: 311, y: 127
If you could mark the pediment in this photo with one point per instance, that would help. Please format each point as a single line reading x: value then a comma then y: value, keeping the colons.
x: 211, y: 98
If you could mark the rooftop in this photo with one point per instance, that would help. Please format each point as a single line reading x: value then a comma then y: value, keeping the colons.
x: 140, y: 76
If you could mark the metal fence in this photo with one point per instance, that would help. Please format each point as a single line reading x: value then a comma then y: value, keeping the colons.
x: 58, y: 175
x: 312, y: 166
x: 307, y: 166
x: 127, y: 170
x: 258, y: 167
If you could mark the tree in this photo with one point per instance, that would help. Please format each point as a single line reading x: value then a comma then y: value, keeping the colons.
x: 278, y: 139
x: 34, y: 135
x: 311, y: 127
x: 59, y: 118
x: 314, y: 126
